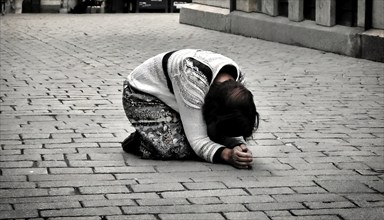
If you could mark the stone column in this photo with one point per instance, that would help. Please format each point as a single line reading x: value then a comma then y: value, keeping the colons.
x: 378, y: 14
x: 18, y: 6
x: 270, y: 7
x: 71, y: 4
x: 246, y: 5
x: 326, y: 12
x: 296, y: 10
x: 64, y: 6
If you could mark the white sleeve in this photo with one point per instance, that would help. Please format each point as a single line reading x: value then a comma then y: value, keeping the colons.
x: 190, y: 88
x: 195, y: 129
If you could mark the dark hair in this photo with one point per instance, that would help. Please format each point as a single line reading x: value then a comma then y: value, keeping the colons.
x: 229, y: 111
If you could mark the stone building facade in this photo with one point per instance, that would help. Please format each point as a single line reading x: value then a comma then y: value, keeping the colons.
x: 349, y: 27
x: 95, y: 6
x: 38, y: 6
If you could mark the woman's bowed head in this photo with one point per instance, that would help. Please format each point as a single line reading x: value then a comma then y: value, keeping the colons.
x: 189, y: 103
x: 229, y: 111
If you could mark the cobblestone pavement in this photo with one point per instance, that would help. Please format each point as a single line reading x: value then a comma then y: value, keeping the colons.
x: 318, y: 152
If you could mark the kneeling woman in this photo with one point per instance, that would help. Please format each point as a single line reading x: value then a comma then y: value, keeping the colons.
x: 190, y: 102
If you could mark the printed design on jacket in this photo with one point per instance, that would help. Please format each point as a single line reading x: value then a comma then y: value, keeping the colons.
x: 193, y: 82
x: 241, y: 78
x: 218, y: 60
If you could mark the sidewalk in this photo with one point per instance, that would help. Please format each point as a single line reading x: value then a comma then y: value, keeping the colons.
x: 319, y: 151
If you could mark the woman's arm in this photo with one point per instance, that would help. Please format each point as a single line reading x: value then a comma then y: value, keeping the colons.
x: 195, y: 130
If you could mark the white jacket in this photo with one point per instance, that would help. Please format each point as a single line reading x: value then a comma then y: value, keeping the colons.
x: 191, y: 72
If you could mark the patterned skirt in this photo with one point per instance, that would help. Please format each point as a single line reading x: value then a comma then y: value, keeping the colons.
x: 160, y: 128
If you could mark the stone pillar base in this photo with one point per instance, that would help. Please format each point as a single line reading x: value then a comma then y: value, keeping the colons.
x: 18, y: 6
x: 63, y: 11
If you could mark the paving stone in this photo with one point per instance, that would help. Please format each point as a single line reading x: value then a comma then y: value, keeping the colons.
x: 151, y: 195
x: 51, y: 164
x: 160, y: 187
x: 205, y: 200
x: 308, y: 197
x: 344, y: 186
x: 70, y: 145
x: 269, y: 183
x: 110, y: 152
x: 132, y: 217
x: 308, y: 190
x: 161, y: 179
x: 273, y: 206
x: 41, y: 206
x: 278, y: 213
x: 48, y: 199
x: 313, y: 166
x: 17, y: 185
x: 213, y: 216
x: 82, y: 212
x: 356, y: 213
x: 309, y: 217
x: 376, y: 185
x: 5, y: 207
x: 204, y: 185
x: 271, y: 191
x: 66, y: 177
x: 24, y: 171
x: 247, y: 199
x: 11, y: 214
x: 63, y: 191
x: 124, y: 170
x: 366, y: 199
x: 29, y: 157
x: 184, y: 168
x: 171, y: 201
x: 204, y: 193
x: 104, y: 189
x: 9, y: 193
x: 108, y: 203
x: 70, y: 170
x: 79, y: 183
x: 54, y: 157
x: 178, y: 209
x: 13, y: 178
x: 312, y: 172
x: 245, y: 215
x: 76, y: 218
x: 329, y: 205
x: 78, y: 163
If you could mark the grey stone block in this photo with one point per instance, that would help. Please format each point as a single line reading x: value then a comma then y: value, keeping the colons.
x: 82, y: 212
x: 173, y: 209
x: 217, y: 3
x: 372, y: 45
x: 246, y: 215
x: 270, y: 7
x: 274, y: 206
x: 203, y: 216
x: 296, y: 10
x: 326, y: 12
x: 247, y: 5
x: 12, y: 214
x: 337, y: 39
x: 157, y: 187
x: 206, y: 16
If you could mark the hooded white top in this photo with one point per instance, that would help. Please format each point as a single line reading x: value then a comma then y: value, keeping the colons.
x: 191, y: 72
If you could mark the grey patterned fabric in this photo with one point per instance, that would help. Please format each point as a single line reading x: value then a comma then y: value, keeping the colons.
x: 160, y: 128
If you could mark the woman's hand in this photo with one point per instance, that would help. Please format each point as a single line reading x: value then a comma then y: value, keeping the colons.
x: 239, y: 157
